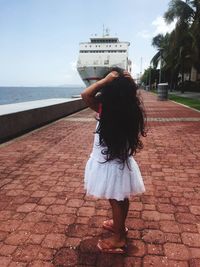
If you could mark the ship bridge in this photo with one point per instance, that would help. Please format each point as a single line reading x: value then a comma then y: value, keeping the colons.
x: 104, y: 40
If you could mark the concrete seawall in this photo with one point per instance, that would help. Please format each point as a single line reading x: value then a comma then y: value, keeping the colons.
x: 17, y: 119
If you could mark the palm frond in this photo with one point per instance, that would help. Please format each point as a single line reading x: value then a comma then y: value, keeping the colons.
x: 155, y: 60
x: 179, y: 10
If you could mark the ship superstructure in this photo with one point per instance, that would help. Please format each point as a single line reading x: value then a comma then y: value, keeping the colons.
x: 99, y: 55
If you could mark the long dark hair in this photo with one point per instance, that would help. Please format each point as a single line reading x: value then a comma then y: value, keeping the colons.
x: 122, y: 119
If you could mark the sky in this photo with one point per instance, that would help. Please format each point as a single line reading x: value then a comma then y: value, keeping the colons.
x: 39, y: 39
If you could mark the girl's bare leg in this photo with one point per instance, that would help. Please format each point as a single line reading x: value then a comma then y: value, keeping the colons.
x: 119, y: 211
x: 126, y: 202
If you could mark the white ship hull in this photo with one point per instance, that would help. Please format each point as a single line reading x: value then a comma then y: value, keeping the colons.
x: 99, y: 55
x: 91, y: 74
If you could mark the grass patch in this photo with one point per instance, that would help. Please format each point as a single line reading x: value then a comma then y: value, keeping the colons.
x: 191, y: 102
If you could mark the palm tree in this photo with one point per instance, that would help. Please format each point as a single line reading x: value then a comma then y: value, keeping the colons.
x: 179, y: 51
x: 184, y: 12
x: 187, y: 32
x: 162, y: 44
x: 195, y: 30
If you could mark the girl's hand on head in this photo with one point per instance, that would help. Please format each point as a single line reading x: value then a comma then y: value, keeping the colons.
x: 110, y: 77
x: 127, y: 75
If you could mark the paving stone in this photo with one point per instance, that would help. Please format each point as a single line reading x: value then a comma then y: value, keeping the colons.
x: 4, y: 261
x: 189, y: 228
x: 195, y: 252
x: 42, y: 227
x: 26, y: 226
x: 150, y: 215
x: 195, y: 210
x: 185, y: 217
x: 75, y: 203
x: 77, y: 230
x: 72, y: 242
x: 65, y: 257
x: 162, y: 261
x: 137, y: 224
x: 191, y: 239
x: 17, y: 264
x: 136, y: 248
x: 41, y: 264
x: 194, y: 262
x: 26, y: 253
x: 173, y: 238
x: 9, y: 225
x: 132, y: 262
x: 151, y: 225
x: 53, y: 240
x: 96, y: 221
x: 154, y: 249
x: 170, y: 226
x: 7, y: 250
x: 3, y: 235
x: 166, y: 208
x: 153, y: 236
x: 47, y: 200
x: 35, y: 239
x: 86, y: 211
x: 135, y: 234
x: 176, y: 251
x: 56, y: 209
x: 46, y: 254
x: 17, y: 238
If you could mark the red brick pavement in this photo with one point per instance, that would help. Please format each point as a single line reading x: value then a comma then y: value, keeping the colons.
x: 46, y: 219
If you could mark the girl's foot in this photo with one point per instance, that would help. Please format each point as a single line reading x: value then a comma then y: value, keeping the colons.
x: 108, y: 225
x: 112, y: 245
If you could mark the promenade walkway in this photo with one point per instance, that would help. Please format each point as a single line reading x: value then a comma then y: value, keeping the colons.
x: 46, y: 220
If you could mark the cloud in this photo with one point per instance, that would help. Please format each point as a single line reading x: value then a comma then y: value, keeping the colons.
x: 160, y: 27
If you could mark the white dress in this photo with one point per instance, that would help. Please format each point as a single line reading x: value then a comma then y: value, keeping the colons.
x: 110, y: 180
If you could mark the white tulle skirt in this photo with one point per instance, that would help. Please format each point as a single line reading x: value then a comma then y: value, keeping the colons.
x: 110, y: 179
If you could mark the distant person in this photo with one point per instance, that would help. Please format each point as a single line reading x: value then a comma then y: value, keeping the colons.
x: 111, y: 172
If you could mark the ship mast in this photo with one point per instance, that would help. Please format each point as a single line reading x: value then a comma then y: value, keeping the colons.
x: 106, y: 31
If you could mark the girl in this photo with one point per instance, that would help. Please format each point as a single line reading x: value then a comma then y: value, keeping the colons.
x: 111, y: 172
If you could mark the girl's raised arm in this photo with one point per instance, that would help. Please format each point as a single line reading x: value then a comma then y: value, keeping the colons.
x: 88, y: 95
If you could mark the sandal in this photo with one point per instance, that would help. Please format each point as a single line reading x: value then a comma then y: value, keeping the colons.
x: 109, y: 248
x: 108, y: 225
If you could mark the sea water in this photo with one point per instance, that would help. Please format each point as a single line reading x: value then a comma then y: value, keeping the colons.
x: 10, y: 95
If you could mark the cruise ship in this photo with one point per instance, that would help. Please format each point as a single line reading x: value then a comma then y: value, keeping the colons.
x: 99, y: 55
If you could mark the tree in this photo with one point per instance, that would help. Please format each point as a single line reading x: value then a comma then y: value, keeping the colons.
x: 150, y: 76
x: 179, y: 51
x: 161, y: 42
x: 187, y: 14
